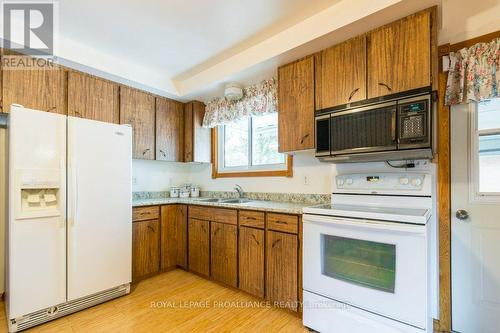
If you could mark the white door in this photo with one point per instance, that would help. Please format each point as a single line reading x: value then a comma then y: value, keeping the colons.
x: 36, y: 252
x: 475, y: 202
x: 99, y: 206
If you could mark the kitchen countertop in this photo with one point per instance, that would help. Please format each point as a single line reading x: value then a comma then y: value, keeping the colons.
x: 268, y: 206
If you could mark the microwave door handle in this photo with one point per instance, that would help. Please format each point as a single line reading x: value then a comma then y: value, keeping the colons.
x: 393, y: 125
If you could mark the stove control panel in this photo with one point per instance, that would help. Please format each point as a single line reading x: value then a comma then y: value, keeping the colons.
x: 381, y: 181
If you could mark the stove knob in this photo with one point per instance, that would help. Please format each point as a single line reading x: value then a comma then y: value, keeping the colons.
x: 349, y: 181
x: 340, y: 182
x: 416, y: 181
x: 404, y: 180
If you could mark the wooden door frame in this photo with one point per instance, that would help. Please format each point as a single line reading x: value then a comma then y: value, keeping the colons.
x: 444, y: 181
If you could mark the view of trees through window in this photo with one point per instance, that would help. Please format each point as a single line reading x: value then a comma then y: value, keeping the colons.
x: 252, y: 142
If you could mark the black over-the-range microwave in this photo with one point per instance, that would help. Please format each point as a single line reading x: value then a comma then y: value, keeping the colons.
x: 397, y: 127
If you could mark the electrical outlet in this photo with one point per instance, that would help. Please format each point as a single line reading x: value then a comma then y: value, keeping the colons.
x: 134, y: 180
x: 306, y: 180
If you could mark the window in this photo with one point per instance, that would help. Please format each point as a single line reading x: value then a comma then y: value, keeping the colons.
x: 250, y: 147
x: 486, y: 149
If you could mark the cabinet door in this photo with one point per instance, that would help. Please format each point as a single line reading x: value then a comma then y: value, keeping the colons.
x: 197, y: 139
x: 199, y: 246
x: 145, y: 248
x: 173, y: 236
x: 399, y: 56
x: 223, y: 251
x: 251, y: 261
x: 43, y: 90
x: 92, y: 98
x: 138, y: 109
x: 169, y: 130
x: 341, y: 74
x: 281, y: 269
x: 296, y: 106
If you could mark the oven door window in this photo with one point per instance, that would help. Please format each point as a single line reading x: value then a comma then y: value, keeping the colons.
x: 365, y: 263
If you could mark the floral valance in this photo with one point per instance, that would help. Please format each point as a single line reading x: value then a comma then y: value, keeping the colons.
x: 259, y: 99
x: 474, y: 73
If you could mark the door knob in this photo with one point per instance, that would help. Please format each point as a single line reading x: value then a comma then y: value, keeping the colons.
x: 462, y: 214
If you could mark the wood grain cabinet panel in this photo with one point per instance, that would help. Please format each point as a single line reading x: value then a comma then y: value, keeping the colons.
x: 222, y: 215
x: 173, y: 236
x: 282, y: 268
x: 199, y: 246
x: 197, y: 139
x: 92, y: 98
x: 296, y: 105
x: 137, y: 108
x: 145, y: 248
x: 283, y: 222
x: 223, y: 253
x: 399, y: 55
x: 43, y: 90
x: 251, y: 261
x: 341, y: 74
x: 252, y: 219
x: 169, y: 130
x: 145, y: 213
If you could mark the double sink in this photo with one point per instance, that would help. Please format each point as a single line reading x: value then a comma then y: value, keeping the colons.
x: 229, y: 201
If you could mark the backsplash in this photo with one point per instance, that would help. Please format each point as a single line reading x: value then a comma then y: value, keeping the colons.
x: 313, y: 199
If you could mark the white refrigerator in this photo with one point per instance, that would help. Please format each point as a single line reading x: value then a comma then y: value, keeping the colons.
x: 69, y: 230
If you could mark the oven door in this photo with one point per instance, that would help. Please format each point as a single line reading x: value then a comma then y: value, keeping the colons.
x: 366, y: 129
x: 377, y: 266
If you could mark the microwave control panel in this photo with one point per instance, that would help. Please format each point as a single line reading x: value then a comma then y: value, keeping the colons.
x: 414, y: 122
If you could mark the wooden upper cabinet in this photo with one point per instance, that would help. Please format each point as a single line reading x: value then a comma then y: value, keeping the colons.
x: 169, y: 130
x: 138, y: 109
x: 92, y: 98
x: 341, y: 74
x: 197, y: 139
x: 399, y: 55
x: 296, y: 105
x: 43, y: 90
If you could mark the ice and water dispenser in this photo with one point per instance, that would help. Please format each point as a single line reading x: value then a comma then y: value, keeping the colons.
x: 39, y: 193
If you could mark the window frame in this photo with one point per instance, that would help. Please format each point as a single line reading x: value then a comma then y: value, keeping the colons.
x: 267, y: 170
x: 475, y: 196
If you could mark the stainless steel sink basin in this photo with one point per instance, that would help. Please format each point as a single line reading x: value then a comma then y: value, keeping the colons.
x: 241, y: 200
x: 210, y: 200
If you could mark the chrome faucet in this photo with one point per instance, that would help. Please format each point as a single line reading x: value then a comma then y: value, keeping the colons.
x: 239, y: 189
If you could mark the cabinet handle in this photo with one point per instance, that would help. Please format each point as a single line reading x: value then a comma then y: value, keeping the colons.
x: 203, y: 228
x: 275, y: 242
x: 151, y: 228
x: 163, y: 153
x: 385, y: 85
x: 251, y: 218
x: 303, y: 138
x: 51, y: 109
x: 216, y: 231
x: 255, y: 239
x: 145, y: 151
x: 280, y: 222
x: 352, y: 94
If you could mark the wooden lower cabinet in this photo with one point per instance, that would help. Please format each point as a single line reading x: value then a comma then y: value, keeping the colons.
x: 282, y: 269
x: 251, y: 261
x: 224, y: 253
x: 174, y: 236
x: 145, y: 248
x: 199, y: 246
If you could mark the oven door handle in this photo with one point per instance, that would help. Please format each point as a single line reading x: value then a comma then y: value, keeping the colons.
x: 365, y: 224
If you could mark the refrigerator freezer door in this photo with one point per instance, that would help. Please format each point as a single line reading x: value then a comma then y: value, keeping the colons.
x: 99, y: 206
x: 36, y: 228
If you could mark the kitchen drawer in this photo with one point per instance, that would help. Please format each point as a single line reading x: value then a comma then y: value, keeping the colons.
x: 283, y: 222
x: 252, y: 219
x: 145, y: 213
x: 222, y: 215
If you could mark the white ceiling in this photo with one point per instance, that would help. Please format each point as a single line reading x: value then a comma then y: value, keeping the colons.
x: 188, y: 49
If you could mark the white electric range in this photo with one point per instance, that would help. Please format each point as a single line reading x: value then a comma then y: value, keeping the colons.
x: 369, y: 257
